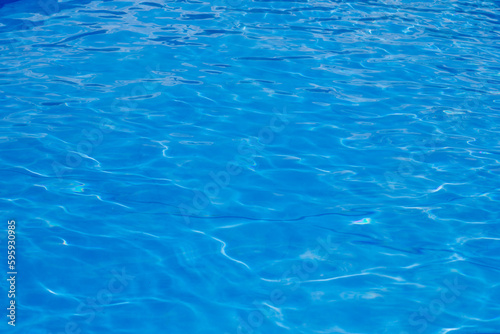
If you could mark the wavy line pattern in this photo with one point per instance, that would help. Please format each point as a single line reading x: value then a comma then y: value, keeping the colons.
x: 262, y: 166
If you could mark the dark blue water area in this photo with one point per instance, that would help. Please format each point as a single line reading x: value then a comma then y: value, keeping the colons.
x: 251, y: 166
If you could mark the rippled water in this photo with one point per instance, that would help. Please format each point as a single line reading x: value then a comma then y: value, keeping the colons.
x: 252, y: 166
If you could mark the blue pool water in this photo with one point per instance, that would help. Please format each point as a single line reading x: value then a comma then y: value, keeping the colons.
x: 251, y: 166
